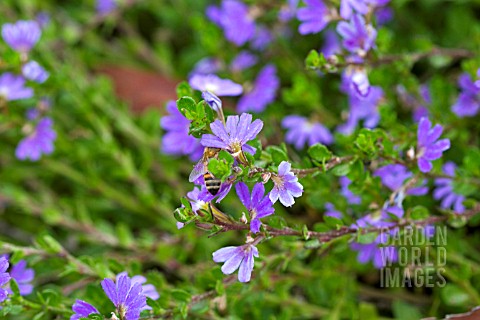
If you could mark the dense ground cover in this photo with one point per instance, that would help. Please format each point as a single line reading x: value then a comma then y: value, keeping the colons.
x: 239, y: 159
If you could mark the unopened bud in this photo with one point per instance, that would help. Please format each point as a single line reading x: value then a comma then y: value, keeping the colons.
x: 243, y: 219
x: 266, y: 176
x: 411, y: 153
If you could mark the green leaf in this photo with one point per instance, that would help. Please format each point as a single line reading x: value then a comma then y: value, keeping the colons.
x: 319, y: 153
x: 366, y: 238
x: 220, y: 168
x: 187, y: 106
x: 333, y: 222
x: 181, y: 295
x: 49, y: 244
x: 419, y: 213
x: 452, y: 295
x: 278, y: 154
x: 312, y: 61
x: 342, y: 169
x: 183, y: 89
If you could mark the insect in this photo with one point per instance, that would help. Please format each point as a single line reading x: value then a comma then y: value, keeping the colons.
x: 201, y: 168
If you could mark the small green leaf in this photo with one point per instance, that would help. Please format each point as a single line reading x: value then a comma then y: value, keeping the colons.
x: 366, y: 238
x: 184, y: 89
x: 312, y: 60
x: 181, y: 295
x: 419, y: 213
x: 333, y: 222
x: 342, y: 169
x: 278, y: 154
x: 187, y: 106
x: 319, y: 153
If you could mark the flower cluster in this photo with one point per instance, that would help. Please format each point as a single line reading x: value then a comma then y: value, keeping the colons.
x: 128, y: 295
x: 19, y: 272
x: 22, y: 36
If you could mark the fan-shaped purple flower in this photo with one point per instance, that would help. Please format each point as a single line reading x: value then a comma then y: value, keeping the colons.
x: 263, y: 92
x: 82, y: 309
x: 4, y: 278
x: 23, y: 276
x: 347, y: 7
x: 176, y: 141
x: 39, y: 142
x: 22, y: 35
x: 358, y: 37
x: 12, y: 87
x: 428, y: 148
x: 444, y: 190
x: 35, y: 72
x: 258, y: 205
x: 126, y: 296
x: 314, y: 17
x: 240, y: 258
x: 286, y: 185
x: 468, y: 102
x: 300, y: 131
x: 233, y: 137
x: 216, y: 85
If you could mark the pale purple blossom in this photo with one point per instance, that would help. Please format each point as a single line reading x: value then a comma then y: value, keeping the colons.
x: 126, y: 296
x: 12, y: 87
x: 331, y: 44
x: 234, y: 137
x: 314, y: 17
x: 261, y: 39
x: 263, y: 91
x: 23, y: 276
x: 428, y: 148
x: 22, y: 35
x: 148, y: 290
x: 208, y: 65
x: 105, y: 7
x: 288, y: 10
x: 82, y: 309
x: 394, y: 176
x: 258, y: 204
x: 358, y: 37
x: 204, y: 195
x: 301, y: 131
x: 348, y: 7
x: 384, y: 15
x: 347, y: 193
x: 216, y: 85
x: 35, y: 72
x: 240, y: 258
x: 234, y: 18
x: 39, y: 142
x: 444, y: 190
x: 468, y: 102
x: 243, y: 60
x: 212, y: 100
x: 176, y: 140
x: 331, y: 211
x: 365, y: 109
x: 4, y: 278
x: 286, y: 185
x: 43, y: 19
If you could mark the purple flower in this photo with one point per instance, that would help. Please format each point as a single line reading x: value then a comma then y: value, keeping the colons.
x: 148, y: 290
x: 444, y: 190
x: 349, y: 195
x: 22, y: 35
x: 233, y: 137
x: 207, y: 66
x: 39, y: 142
x: 263, y: 92
x: 23, y: 276
x: 286, y: 185
x: 243, y: 60
x: 43, y: 19
x: 393, y: 176
x: 4, y: 278
x: 300, y: 131
x: 288, y: 10
x: 233, y: 17
x: 216, y: 85
x: 347, y: 7
x: 331, y: 44
x: 176, y: 140
x: 261, y: 39
x: 331, y: 211
x: 206, y: 196
x: 365, y: 109
x: 257, y: 205
x: 199, y: 197
x: 314, y: 17
x: 105, y: 7
x: 35, y: 72
x: 82, y: 309
x: 240, y: 258
x: 126, y: 296
x: 468, y: 102
x: 429, y: 148
x: 358, y: 37
x: 12, y: 87
x: 384, y: 15
x: 359, y: 83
